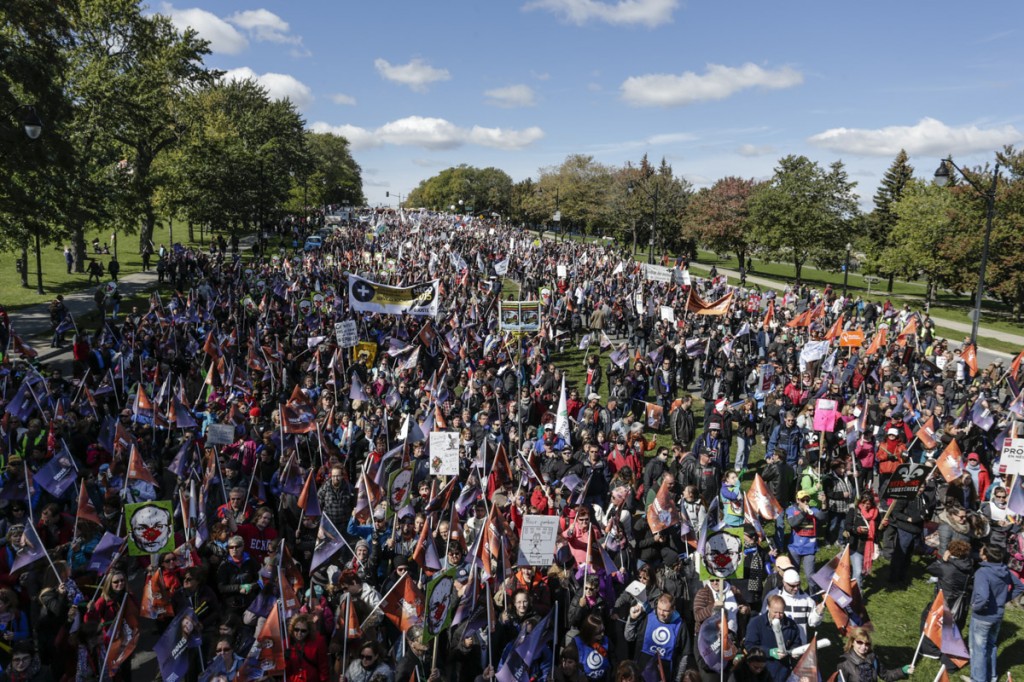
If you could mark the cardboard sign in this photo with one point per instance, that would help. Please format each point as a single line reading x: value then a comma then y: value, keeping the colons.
x: 346, y: 333
x: 537, y: 539
x: 365, y: 352
x: 444, y: 453
x: 150, y: 527
x: 668, y: 314
x: 905, y: 481
x: 824, y: 414
x: 1013, y: 455
x: 853, y: 338
x: 563, y: 272
x: 657, y: 273
x: 220, y: 434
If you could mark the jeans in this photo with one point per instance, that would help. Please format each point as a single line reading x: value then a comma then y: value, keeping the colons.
x: 836, y: 521
x: 780, y: 532
x: 806, y: 564
x: 902, y: 553
x: 856, y: 565
x: 984, y: 635
x: 742, y: 452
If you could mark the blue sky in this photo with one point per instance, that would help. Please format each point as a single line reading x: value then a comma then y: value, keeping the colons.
x: 717, y: 88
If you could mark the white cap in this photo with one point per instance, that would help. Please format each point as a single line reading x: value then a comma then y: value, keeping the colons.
x: 892, y: 432
x: 791, y: 577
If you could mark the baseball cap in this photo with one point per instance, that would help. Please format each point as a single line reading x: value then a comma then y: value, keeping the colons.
x: 593, y: 396
x: 791, y: 577
x: 892, y: 432
x: 803, y: 495
x: 973, y: 456
x: 784, y: 562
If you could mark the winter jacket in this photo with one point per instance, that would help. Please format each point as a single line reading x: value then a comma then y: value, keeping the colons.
x: 790, y: 439
x: 994, y: 585
x: 853, y: 668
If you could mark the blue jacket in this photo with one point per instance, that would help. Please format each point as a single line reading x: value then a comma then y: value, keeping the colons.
x: 760, y: 633
x: 994, y: 585
x: 788, y: 438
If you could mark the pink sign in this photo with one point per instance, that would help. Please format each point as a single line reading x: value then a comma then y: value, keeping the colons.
x: 824, y: 414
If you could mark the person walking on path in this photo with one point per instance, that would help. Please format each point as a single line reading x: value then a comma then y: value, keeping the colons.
x: 994, y: 585
x: 113, y: 267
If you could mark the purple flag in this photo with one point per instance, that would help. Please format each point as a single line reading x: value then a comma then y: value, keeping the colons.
x: 328, y: 542
x: 172, y: 649
x: 525, y: 651
x: 1016, y: 498
x: 468, y: 496
x: 357, y: 392
x: 620, y: 357
x: 32, y: 549
x: 103, y: 554
x: 59, y: 474
x: 710, y: 644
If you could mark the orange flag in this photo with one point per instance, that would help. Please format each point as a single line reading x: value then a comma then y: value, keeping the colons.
x: 836, y: 329
x: 843, y: 598
x: 662, y: 513
x: 950, y: 462
x: 156, y: 600
x: 403, y: 604
x: 86, y: 509
x: 926, y: 434
x: 271, y: 644
x: 807, y: 667
x: 909, y: 330
x: 137, y: 470
x: 762, y: 499
x: 970, y: 355
x: 501, y: 472
x: 801, y: 320
x: 942, y: 630
x: 769, y: 315
x: 347, y: 611
x: 1015, y: 365
x: 877, y: 341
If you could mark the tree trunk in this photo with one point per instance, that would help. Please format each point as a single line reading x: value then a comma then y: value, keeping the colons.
x: 889, y: 287
x: 78, y: 243
x: 798, y: 266
x: 191, y: 232
x: 634, y: 238
x: 148, y: 223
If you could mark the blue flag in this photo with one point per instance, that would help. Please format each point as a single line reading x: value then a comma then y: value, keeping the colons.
x: 172, y: 649
x: 525, y: 651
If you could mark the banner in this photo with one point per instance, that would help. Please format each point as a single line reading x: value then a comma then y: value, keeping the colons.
x: 366, y: 296
x: 722, y: 554
x: 905, y: 481
x: 697, y: 306
x: 172, y: 649
x: 441, y: 600
x: 150, y: 527
x: 519, y: 316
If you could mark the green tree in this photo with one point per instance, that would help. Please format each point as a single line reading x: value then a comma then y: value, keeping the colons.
x: 882, y: 219
x: 803, y: 212
x: 332, y: 161
x: 129, y: 73
x: 923, y: 239
x: 719, y: 216
x: 478, y: 189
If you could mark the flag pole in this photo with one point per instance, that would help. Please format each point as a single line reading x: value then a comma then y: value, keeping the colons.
x: 344, y: 642
x: 554, y: 641
x: 117, y: 623
x: 487, y: 588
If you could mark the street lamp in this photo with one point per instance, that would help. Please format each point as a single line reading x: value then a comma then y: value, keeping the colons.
x: 32, y: 125
x: 942, y: 177
x: 653, y: 196
x: 846, y: 269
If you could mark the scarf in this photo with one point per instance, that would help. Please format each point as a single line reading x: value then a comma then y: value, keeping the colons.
x: 870, y: 515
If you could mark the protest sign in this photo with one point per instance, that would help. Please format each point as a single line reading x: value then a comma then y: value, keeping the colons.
x: 1012, y: 457
x: 537, y: 539
x: 220, y: 434
x: 824, y: 414
x: 346, y: 333
x: 905, y: 481
x: 444, y: 453
x: 150, y: 527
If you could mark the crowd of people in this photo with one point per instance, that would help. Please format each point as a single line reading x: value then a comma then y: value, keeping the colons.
x: 313, y: 540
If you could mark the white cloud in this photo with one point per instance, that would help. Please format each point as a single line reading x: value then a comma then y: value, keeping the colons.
x: 650, y: 13
x: 223, y: 37
x: 930, y: 137
x: 756, y: 149
x: 432, y: 133
x: 417, y: 74
x: 719, y: 82
x: 341, y: 98
x: 511, y: 96
x: 278, y: 85
x: 265, y: 26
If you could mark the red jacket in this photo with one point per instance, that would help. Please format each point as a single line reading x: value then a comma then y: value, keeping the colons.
x: 307, y: 663
x: 889, y: 456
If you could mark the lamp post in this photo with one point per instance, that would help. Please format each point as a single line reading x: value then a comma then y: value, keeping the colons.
x: 653, y: 196
x: 846, y: 268
x: 942, y: 177
x: 32, y: 126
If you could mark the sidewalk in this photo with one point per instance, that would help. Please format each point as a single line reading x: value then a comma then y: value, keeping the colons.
x: 983, y: 333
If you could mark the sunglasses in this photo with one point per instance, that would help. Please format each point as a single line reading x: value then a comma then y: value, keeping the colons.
x: 224, y: 651
x: 861, y: 642
x: 300, y: 630
x: 366, y: 657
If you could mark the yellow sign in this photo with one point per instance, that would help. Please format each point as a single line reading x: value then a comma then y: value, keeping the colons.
x: 364, y: 352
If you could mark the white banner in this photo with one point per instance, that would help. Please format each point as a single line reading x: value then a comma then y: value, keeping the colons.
x: 372, y: 297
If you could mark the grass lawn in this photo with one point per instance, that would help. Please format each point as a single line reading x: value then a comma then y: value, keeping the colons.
x: 55, y: 277
x: 895, y: 613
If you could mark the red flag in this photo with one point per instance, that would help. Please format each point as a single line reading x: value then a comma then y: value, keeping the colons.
x: 425, y: 553
x: 23, y: 348
x: 926, y: 434
x: 86, y: 509
x: 353, y: 631
x: 801, y: 320
x: 403, y: 604
x: 501, y: 472
x: 271, y: 644
x: 769, y: 314
x: 970, y: 356
x: 211, y: 347
x: 762, y: 499
x: 308, y: 502
x: 124, y: 636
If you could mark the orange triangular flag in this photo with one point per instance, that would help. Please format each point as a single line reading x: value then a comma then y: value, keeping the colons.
x: 270, y: 644
x: 970, y: 356
x: 137, y: 470
x: 950, y: 462
x: 926, y: 434
x: 86, y: 509
x: 836, y: 329
x: 403, y: 605
x: 909, y: 330
x: 762, y: 500
x: 877, y: 341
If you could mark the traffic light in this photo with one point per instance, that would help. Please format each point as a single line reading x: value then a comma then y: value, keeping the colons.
x: 387, y: 194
